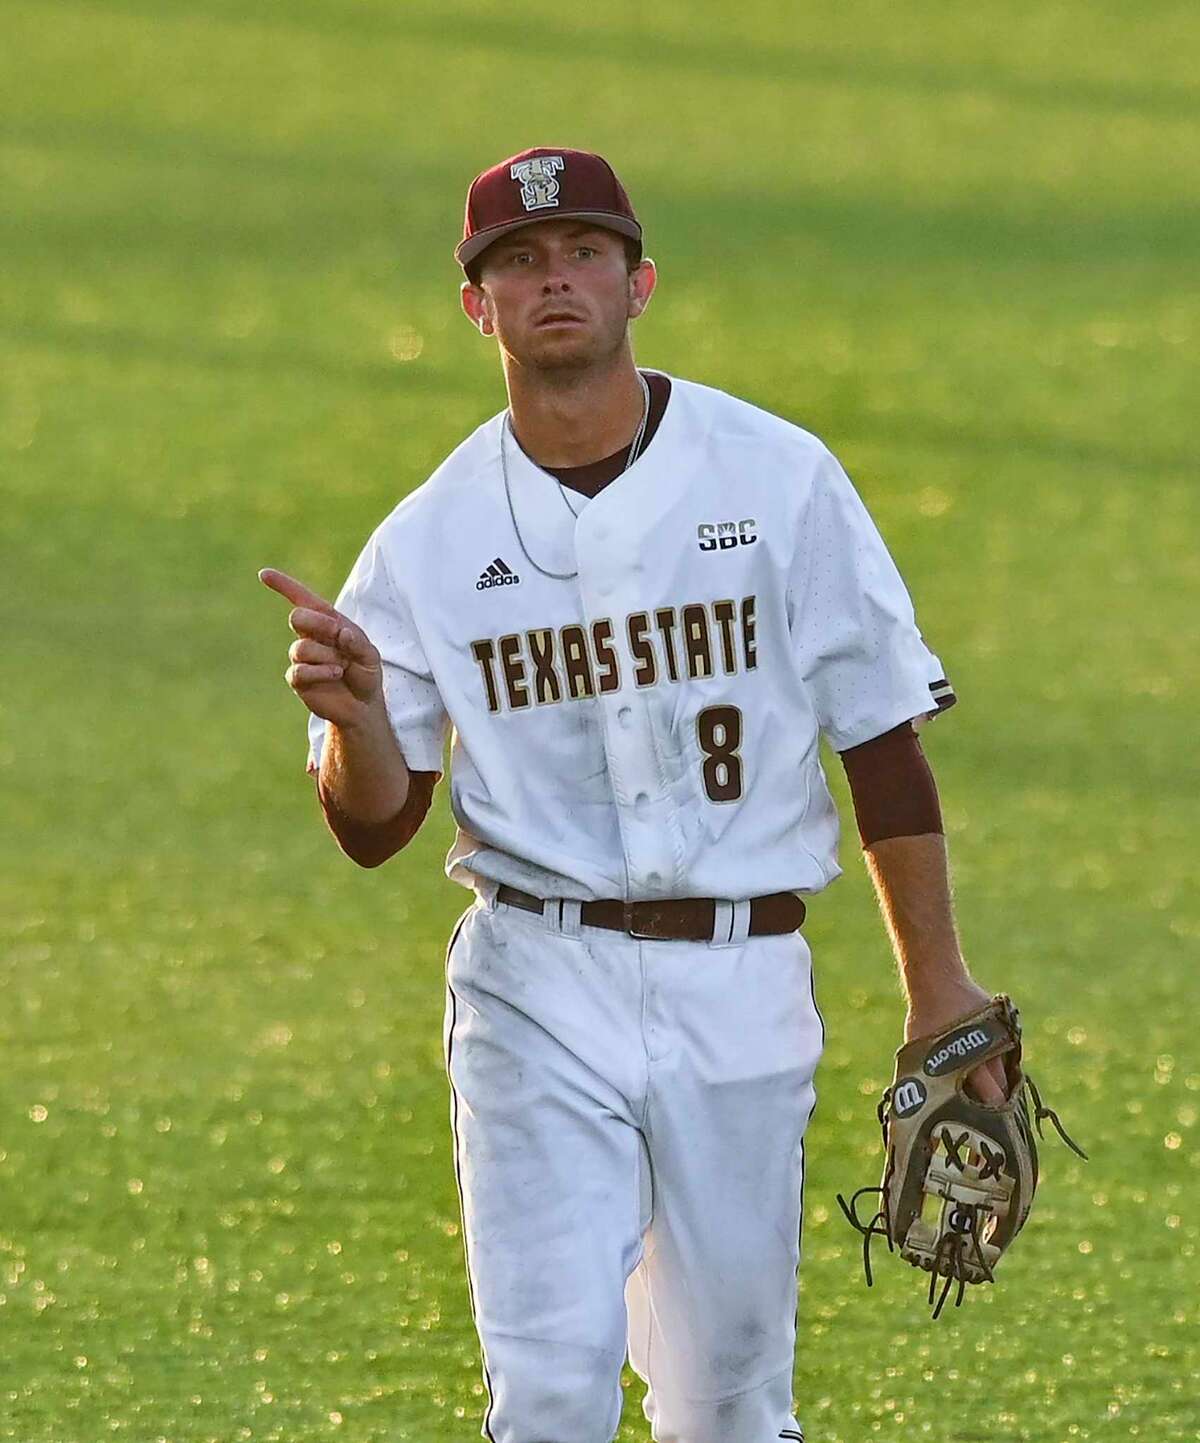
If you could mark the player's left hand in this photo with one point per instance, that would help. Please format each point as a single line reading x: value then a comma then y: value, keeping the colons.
x: 959, y: 1174
x: 942, y: 1009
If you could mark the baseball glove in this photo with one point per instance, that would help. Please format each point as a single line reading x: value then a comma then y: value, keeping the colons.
x: 959, y: 1176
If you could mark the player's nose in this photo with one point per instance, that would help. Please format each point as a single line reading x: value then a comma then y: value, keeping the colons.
x: 556, y: 277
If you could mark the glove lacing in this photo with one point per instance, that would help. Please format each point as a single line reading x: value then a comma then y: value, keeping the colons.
x: 952, y: 1252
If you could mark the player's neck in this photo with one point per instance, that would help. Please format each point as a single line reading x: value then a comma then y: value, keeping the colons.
x: 574, y: 418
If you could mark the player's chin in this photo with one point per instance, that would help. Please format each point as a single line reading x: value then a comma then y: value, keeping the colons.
x: 553, y: 348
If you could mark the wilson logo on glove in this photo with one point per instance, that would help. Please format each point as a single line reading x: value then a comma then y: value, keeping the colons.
x: 908, y: 1096
x: 969, y: 1043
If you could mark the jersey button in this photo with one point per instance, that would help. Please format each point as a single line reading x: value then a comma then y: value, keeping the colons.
x: 625, y: 715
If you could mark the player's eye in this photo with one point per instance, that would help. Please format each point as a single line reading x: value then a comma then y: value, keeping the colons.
x: 585, y: 250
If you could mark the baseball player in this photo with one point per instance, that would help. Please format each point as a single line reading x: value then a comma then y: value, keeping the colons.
x: 634, y: 603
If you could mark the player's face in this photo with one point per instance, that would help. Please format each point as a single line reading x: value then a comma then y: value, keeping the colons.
x: 558, y: 295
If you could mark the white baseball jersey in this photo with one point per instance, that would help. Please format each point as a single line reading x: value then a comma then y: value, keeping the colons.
x: 643, y: 722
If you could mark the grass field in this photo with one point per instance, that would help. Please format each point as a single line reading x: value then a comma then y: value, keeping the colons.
x: 956, y: 242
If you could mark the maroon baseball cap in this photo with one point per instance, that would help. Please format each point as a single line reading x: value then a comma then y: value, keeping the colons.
x: 543, y: 184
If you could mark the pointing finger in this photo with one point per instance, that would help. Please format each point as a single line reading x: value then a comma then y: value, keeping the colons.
x: 295, y: 591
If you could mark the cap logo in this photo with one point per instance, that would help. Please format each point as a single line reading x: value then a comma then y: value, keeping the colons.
x: 539, y: 189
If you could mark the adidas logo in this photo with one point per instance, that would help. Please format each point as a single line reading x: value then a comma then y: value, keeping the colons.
x: 497, y: 574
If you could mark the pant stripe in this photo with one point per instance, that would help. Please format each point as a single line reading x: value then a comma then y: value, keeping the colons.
x: 788, y: 1433
x: 487, y: 1431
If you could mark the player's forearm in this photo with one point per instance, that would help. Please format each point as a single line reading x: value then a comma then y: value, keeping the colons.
x: 363, y: 770
x: 911, y: 879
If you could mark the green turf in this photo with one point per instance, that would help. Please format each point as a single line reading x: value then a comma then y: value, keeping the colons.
x: 956, y: 242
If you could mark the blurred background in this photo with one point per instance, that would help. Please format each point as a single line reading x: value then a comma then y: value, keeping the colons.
x: 956, y: 242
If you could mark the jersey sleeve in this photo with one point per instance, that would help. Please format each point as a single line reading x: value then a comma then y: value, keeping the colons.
x: 862, y: 657
x: 371, y: 598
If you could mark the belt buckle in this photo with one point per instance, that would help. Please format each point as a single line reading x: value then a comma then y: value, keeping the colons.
x: 627, y: 923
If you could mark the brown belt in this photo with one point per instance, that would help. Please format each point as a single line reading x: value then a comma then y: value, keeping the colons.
x: 673, y: 918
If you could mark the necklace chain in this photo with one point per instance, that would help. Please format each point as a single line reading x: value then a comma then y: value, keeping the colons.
x: 635, y: 450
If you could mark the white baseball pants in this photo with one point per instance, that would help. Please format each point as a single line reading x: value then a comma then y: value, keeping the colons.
x: 628, y: 1122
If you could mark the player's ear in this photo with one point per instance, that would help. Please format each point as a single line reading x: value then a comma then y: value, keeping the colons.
x: 642, y: 280
x: 476, y: 308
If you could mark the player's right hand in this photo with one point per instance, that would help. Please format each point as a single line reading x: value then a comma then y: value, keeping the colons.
x: 335, y: 670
